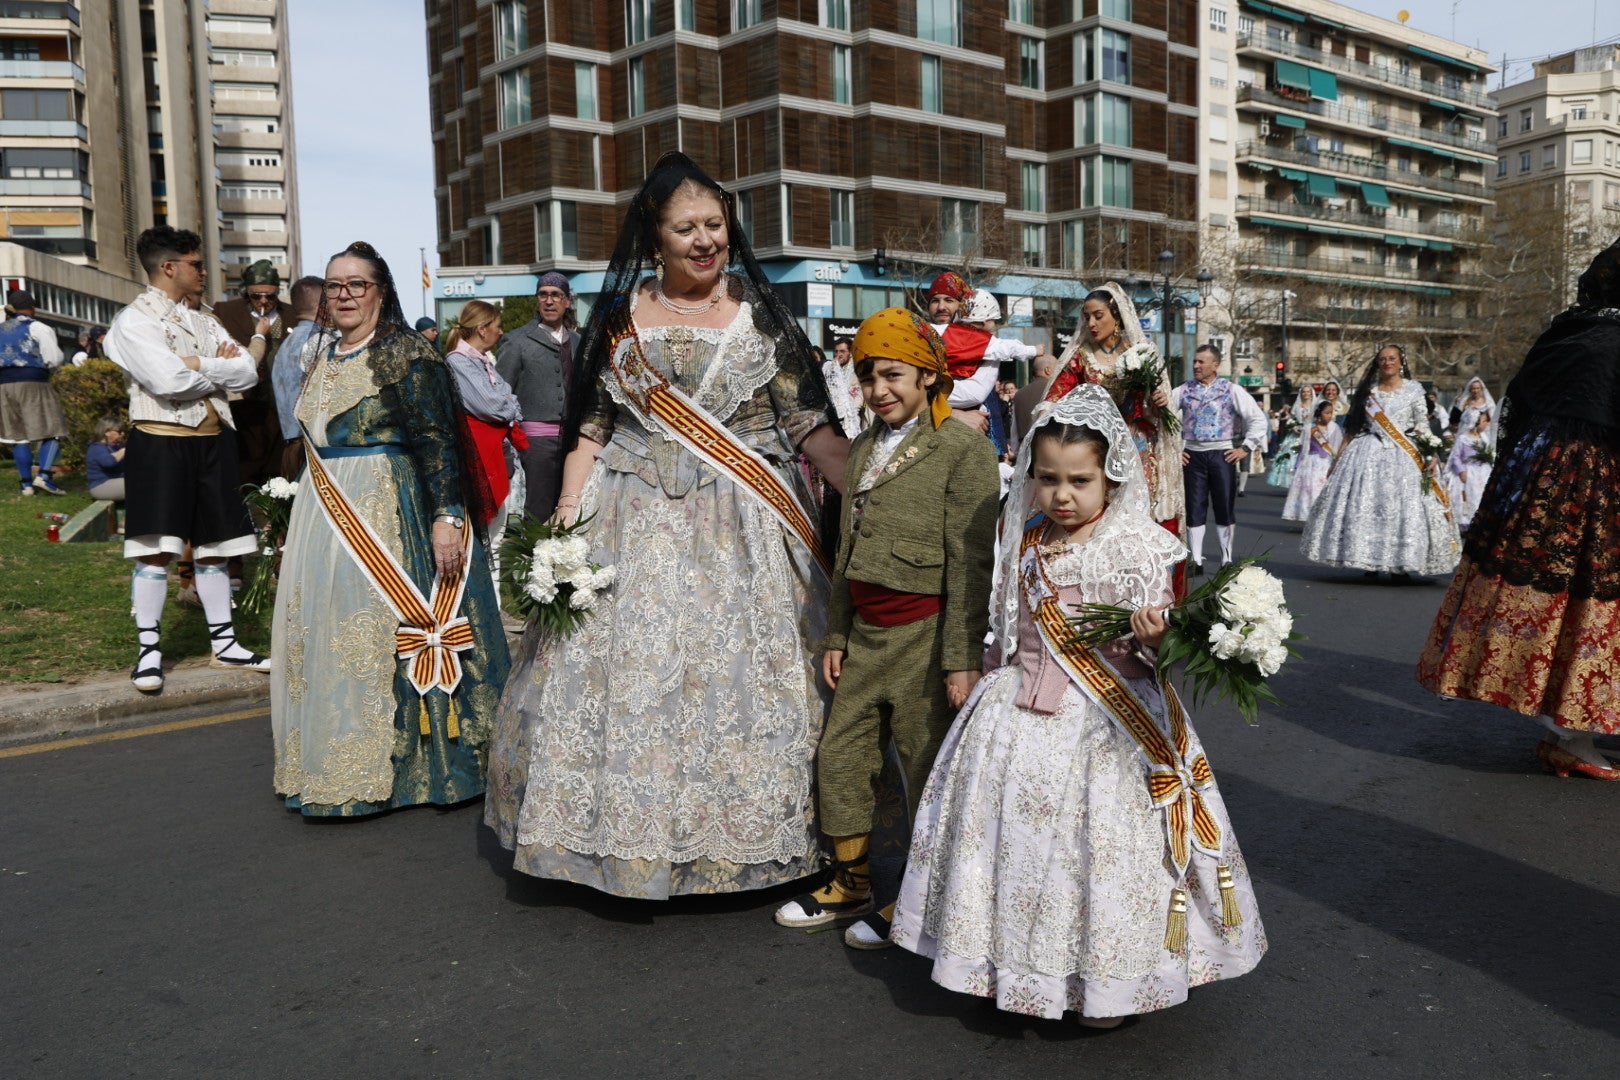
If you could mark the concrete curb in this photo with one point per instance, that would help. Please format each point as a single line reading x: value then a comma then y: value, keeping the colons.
x: 110, y: 701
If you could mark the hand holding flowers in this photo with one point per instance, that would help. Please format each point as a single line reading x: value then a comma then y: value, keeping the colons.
x: 1231, y: 632
x: 272, y: 510
x: 545, y: 563
x: 1141, y: 371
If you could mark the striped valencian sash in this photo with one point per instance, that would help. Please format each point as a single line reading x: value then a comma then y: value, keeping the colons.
x: 659, y: 403
x: 1398, y: 437
x: 1176, y: 777
x: 430, y: 633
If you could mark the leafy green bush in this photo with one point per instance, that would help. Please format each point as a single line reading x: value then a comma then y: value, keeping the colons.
x: 88, y: 391
x: 515, y: 311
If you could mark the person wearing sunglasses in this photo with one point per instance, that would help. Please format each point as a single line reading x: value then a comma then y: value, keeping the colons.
x: 182, y: 477
x: 258, y: 320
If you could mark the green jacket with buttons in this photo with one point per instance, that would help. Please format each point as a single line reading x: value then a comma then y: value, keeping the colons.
x: 928, y: 525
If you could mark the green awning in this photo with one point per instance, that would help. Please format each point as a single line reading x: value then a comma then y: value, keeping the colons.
x: 1295, y: 175
x: 1444, y: 105
x: 1394, y: 241
x: 1374, y: 195
x: 1324, y: 84
x: 1440, y: 245
x: 1329, y: 22
x: 1273, y: 9
x: 1297, y: 76
x: 1444, y: 59
x: 1413, y: 241
x: 1275, y: 223
x: 1290, y: 121
x: 1402, y: 142
x: 1431, y: 198
x: 1320, y: 186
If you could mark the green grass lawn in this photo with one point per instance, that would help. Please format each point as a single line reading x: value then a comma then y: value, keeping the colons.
x: 64, y: 608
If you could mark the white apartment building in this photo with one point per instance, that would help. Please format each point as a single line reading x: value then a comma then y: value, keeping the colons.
x: 1344, y: 187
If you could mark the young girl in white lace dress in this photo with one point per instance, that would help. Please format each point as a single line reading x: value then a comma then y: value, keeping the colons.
x: 1041, y: 872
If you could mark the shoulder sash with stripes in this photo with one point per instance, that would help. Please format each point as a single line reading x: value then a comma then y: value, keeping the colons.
x: 430, y: 633
x: 1398, y: 437
x: 658, y: 402
x: 1176, y: 777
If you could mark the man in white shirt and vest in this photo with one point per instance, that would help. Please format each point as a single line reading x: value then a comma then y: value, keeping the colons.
x: 180, y: 469
x: 1212, y: 410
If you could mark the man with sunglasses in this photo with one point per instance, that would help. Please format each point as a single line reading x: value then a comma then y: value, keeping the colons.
x: 180, y: 468
x: 258, y: 315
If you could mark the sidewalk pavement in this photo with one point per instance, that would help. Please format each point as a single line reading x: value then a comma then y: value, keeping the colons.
x: 108, y: 701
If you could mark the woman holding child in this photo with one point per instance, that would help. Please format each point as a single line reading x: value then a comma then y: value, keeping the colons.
x: 667, y: 745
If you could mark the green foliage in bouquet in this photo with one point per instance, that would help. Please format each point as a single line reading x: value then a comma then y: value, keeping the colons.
x: 545, y: 564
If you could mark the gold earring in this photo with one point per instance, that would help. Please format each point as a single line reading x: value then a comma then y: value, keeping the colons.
x: 658, y: 266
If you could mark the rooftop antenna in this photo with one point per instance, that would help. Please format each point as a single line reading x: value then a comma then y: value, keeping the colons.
x: 1455, y: 4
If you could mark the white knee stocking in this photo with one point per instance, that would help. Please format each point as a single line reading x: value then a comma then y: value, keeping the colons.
x: 214, y: 593
x: 1225, y: 533
x: 1195, y: 540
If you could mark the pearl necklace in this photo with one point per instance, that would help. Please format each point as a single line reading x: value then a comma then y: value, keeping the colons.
x: 341, y: 350
x: 689, y: 309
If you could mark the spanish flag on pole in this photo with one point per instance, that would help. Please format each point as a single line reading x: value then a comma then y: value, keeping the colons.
x: 427, y: 279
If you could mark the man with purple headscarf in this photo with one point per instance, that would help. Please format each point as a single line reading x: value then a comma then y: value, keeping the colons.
x: 537, y: 362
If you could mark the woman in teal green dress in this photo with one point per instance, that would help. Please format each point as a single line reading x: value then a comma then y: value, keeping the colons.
x: 359, y: 729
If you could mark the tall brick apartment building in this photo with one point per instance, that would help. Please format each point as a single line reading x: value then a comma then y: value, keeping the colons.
x: 1053, y: 143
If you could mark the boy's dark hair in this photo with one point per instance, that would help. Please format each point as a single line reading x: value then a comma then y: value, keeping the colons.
x: 844, y: 341
x: 305, y: 290
x: 1070, y: 435
x: 863, y: 369
x: 165, y: 243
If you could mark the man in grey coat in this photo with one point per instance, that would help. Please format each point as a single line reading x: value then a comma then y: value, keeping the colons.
x: 537, y: 362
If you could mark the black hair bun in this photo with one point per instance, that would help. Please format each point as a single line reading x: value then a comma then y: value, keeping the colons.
x: 362, y: 249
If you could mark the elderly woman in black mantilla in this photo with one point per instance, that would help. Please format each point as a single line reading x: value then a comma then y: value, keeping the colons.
x: 390, y: 655
x: 1532, y: 619
x: 666, y: 745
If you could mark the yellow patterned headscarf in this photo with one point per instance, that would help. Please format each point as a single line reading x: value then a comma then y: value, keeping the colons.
x: 897, y: 334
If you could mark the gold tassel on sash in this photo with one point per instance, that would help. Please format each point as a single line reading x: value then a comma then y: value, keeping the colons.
x: 1230, y: 914
x: 1175, y: 931
x: 426, y: 720
x: 452, y: 723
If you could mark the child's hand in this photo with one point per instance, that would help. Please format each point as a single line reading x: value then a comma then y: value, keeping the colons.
x: 1149, y: 626
x: 832, y: 666
x: 958, y: 685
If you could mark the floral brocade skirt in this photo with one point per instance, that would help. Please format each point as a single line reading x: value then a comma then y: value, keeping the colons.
x: 1532, y: 619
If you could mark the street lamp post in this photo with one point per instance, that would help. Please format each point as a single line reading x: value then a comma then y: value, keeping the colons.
x: 1169, y: 301
x: 1282, y: 370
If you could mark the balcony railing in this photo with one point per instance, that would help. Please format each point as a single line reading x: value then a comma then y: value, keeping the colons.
x: 14, y: 186
x: 1357, y: 69
x: 41, y: 69
x: 1258, y: 204
x: 65, y: 129
x: 1372, y: 168
x: 39, y: 9
x: 57, y: 245
x: 1318, y: 264
x: 1380, y: 316
x: 1362, y: 120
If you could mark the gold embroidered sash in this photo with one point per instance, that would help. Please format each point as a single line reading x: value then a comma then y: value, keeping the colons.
x: 1398, y: 437
x: 430, y: 633
x: 1175, y: 780
x: 654, y: 398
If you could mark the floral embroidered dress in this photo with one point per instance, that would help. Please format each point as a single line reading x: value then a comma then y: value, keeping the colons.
x: 1321, y: 448
x: 346, y: 719
x: 1374, y: 513
x: 667, y: 745
x: 1038, y: 873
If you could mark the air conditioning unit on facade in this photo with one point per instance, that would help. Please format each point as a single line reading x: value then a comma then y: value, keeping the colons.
x: 1265, y: 129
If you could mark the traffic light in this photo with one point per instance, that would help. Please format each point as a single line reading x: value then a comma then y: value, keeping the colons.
x: 1282, y: 383
x: 1282, y: 370
x: 880, y: 261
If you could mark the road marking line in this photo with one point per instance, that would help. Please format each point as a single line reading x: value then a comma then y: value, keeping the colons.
x: 131, y: 733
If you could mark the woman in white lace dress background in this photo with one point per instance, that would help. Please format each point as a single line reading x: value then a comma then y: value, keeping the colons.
x: 666, y: 746
x: 1377, y: 513
x: 1041, y: 875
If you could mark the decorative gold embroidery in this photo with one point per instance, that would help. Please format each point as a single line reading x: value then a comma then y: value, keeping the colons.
x: 292, y: 656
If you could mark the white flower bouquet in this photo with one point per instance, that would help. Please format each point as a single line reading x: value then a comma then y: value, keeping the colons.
x: 1431, y: 448
x: 547, y: 567
x: 271, y: 505
x: 1232, y: 632
x: 1141, y: 372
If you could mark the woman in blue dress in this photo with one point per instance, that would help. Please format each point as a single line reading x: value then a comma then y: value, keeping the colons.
x: 360, y: 728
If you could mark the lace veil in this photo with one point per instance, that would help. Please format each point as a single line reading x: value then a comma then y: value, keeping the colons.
x: 1130, y: 323
x: 1470, y: 413
x: 1129, y: 558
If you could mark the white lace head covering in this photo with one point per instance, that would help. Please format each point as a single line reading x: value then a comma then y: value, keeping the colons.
x: 1470, y: 413
x: 1129, y: 555
x: 1130, y: 323
x: 982, y: 308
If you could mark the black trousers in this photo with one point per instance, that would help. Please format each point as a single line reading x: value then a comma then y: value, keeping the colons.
x: 1210, y: 478
x: 542, y: 477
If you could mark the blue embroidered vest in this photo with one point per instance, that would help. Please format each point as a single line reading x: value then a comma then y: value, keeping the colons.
x: 1207, y: 412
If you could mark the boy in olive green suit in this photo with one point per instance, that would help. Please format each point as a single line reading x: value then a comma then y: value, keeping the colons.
x: 910, y: 603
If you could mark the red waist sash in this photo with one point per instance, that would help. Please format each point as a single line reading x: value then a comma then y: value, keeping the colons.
x: 879, y: 605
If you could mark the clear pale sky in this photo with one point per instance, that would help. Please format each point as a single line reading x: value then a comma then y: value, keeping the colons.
x: 365, y: 157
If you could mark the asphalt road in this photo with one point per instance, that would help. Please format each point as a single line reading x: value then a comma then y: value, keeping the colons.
x: 1436, y: 908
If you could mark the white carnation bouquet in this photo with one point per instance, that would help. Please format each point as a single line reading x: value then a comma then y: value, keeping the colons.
x: 1232, y: 632
x: 1431, y: 448
x: 547, y: 566
x: 1141, y: 372
x: 271, y: 505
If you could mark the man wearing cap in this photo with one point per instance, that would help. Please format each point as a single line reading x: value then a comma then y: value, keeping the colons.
x: 974, y: 354
x: 428, y: 329
x: 30, y: 411
x: 180, y: 469
x: 259, y: 322
x: 537, y: 362
x: 910, y: 602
